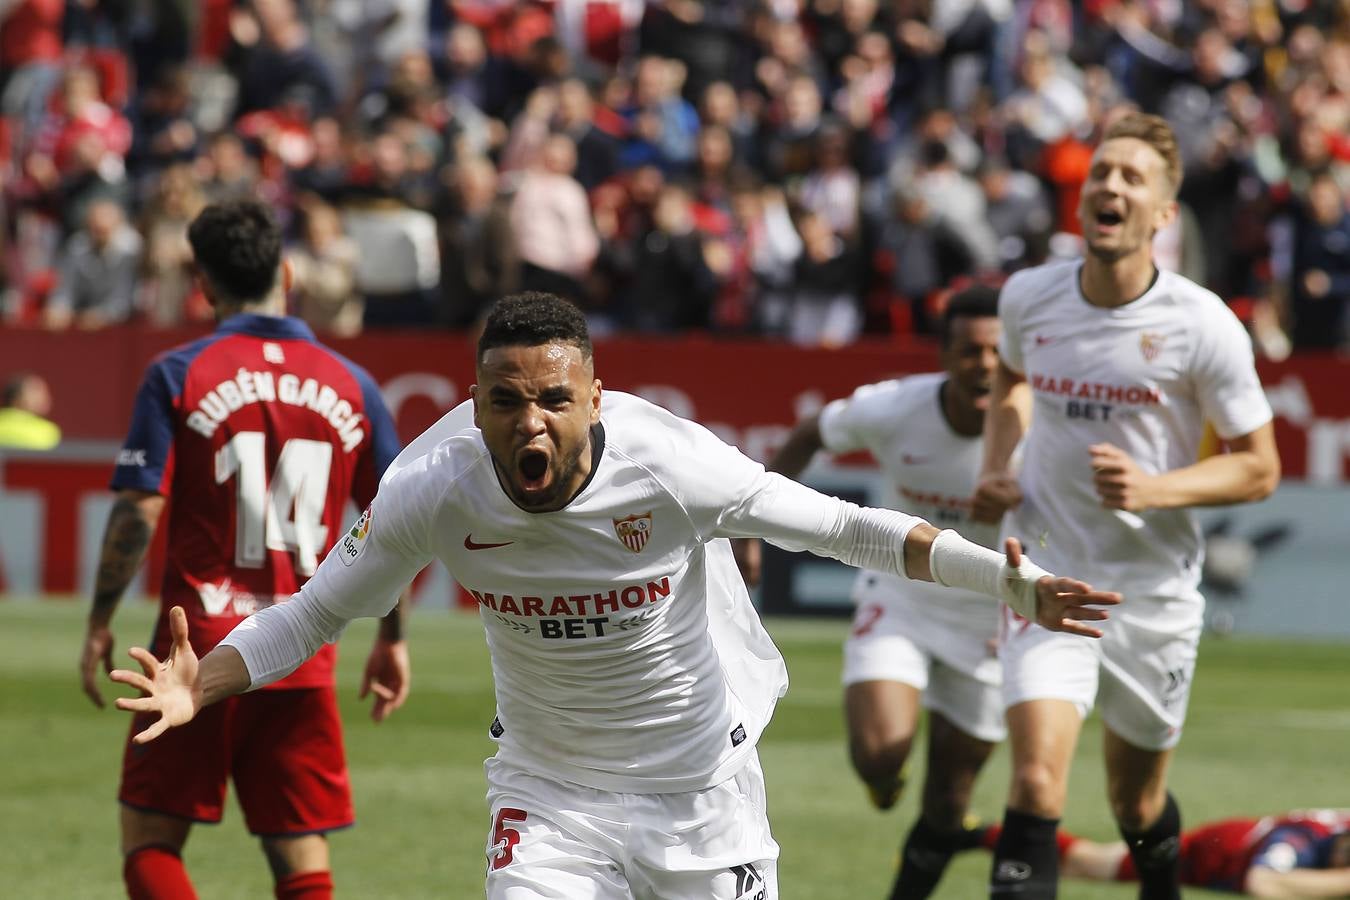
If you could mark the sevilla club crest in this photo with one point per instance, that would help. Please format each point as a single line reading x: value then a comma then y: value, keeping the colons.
x: 634, y: 530
x: 1151, y: 344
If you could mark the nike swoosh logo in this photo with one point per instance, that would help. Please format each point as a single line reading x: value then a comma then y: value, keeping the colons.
x: 470, y: 545
x: 1042, y: 340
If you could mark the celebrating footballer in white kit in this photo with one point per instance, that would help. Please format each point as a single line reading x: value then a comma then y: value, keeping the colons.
x: 914, y: 643
x: 633, y: 678
x: 1112, y: 367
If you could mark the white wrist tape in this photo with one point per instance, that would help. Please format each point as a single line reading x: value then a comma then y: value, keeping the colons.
x: 957, y: 562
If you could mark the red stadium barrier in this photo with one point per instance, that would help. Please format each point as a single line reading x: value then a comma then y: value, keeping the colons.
x: 749, y: 392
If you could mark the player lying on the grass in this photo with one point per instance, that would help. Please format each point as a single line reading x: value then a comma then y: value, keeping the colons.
x: 1295, y: 855
x: 633, y: 677
x: 913, y: 643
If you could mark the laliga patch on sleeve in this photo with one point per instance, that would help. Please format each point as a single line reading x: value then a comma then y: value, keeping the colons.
x: 354, y: 541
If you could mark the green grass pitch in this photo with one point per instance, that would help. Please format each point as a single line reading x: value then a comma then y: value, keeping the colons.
x: 1268, y: 731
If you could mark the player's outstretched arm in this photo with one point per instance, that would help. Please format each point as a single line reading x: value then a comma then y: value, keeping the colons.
x: 1266, y: 882
x: 182, y: 684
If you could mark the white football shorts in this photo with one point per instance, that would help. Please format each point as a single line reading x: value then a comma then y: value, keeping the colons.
x: 552, y: 839
x: 954, y: 666
x: 1139, y: 673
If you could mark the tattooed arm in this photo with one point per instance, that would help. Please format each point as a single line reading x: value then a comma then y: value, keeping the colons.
x: 131, y: 524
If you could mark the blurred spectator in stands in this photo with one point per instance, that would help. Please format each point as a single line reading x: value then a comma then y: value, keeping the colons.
x: 1019, y: 213
x: 770, y: 246
x: 826, y: 304
x: 479, y: 258
x: 790, y: 147
x: 839, y: 26
x: 386, y: 208
x: 469, y: 73
x: 167, y: 285
x: 25, y: 403
x: 323, y: 265
x: 703, y: 35
x: 272, y: 54
x: 30, y: 57
x: 713, y: 168
x: 864, y: 100
x: 164, y: 131
x: 671, y: 286
x: 831, y: 187
x: 566, y: 108
x: 1048, y: 106
x: 96, y: 279
x: 662, y: 126
x: 388, y: 175
x: 226, y: 171
x: 721, y: 107
x: 82, y: 113
x: 966, y: 32
x: 597, y: 149
x: 785, y: 53
x: 1321, y: 268
x: 936, y: 124
x: 921, y: 252
x: 551, y: 221
x: 956, y: 199
x: 325, y: 175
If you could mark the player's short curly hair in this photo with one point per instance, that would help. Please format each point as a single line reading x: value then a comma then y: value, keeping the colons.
x: 532, y: 318
x: 237, y: 247
x: 972, y: 302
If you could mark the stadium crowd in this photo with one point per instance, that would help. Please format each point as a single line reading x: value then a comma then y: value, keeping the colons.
x: 806, y: 169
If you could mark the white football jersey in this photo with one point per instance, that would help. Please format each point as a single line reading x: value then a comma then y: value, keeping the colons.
x: 1145, y: 377
x: 930, y: 472
x: 625, y: 650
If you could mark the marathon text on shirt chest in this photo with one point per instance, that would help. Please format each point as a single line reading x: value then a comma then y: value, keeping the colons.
x: 249, y: 387
x: 1093, y: 400
x: 583, y: 615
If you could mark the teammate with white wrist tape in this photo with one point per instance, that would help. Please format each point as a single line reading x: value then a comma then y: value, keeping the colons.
x: 633, y: 677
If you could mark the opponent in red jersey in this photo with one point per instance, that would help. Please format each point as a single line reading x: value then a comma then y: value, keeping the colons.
x: 1298, y: 854
x: 258, y: 435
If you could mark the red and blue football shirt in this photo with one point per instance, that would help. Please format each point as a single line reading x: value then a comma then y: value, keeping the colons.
x: 258, y: 435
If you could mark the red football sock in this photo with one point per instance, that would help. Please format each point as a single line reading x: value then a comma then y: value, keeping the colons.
x: 156, y: 872
x: 306, y: 886
x: 1063, y: 840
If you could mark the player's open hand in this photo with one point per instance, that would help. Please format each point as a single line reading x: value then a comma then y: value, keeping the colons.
x: 388, y: 676
x: 169, y: 687
x: 1119, y: 481
x: 97, y: 654
x: 1065, y: 604
x: 995, y: 494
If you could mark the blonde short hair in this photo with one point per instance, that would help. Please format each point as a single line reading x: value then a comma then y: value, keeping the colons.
x: 1154, y: 131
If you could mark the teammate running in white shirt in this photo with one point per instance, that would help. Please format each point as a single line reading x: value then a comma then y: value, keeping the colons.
x: 633, y: 677
x: 913, y: 642
x: 1111, y: 367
